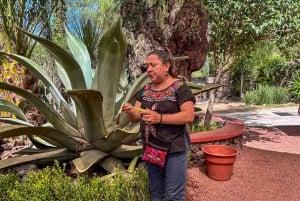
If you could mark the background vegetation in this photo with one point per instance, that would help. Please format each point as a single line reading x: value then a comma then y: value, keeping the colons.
x: 252, y: 48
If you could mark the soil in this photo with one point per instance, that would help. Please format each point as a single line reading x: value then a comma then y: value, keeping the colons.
x: 258, y: 174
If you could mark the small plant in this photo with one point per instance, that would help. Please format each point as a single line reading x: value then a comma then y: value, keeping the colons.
x: 198, y: 125
x: 53, y: 184
x: 7, y: 183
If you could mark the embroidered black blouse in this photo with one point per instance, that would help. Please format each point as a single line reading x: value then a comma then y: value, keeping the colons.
x: 166, y: 101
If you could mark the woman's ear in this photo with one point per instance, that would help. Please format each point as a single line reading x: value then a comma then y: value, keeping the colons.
x: 167, y: 65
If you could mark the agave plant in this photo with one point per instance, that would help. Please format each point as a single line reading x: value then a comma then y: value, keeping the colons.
x: 91, y: 130
x: 87, y: 131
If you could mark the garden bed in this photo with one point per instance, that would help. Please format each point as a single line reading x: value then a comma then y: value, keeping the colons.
x: 230, y: 134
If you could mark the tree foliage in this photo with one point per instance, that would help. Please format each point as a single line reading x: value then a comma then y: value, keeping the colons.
x: 236, y: 26
x: 180, y: 25
x: 31, y: 15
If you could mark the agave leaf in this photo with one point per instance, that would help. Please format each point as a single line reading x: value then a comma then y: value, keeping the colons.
x: 87, y: 159
x: 113, y: 140
x: 89, y: 104
x: 82, y: 56
x: 65, y: 59
x: 134, y: 129
x: 25, y: 106
x: 131, y: 97
x: 43, y: 142
x: 132, y: 164
x: 60, y: 138
x: 111, y: 58
x: 196, y: 89
x: 68, y: 115
x: 63, y: 75
x: 49, y: 113
x: 131, y: 138
x: 46, y: 156
x: 15, y: 121
x: 10, y: 107
x: 112, y: 164
x: 127, y: 151
x: 30, y: 151
x: 39, y: 72
x: 141, y: 81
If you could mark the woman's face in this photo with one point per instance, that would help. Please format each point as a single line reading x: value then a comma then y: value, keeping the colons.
x: 156, y: 69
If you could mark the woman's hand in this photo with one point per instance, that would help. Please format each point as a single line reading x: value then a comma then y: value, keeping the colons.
x: 133, y: 114
x: 150, y: 117
x: 127, y: 108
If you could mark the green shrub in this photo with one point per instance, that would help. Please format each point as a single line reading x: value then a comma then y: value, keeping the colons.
x: 52, y: 184
x: 249, y: 97
x: 266, y: 95
x: 7, y: 183
x: 294, y: 89
x: 280, y: 95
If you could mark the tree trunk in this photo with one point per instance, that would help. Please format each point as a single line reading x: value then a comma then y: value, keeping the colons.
x: 242, y: 84
x: 179, y: 25
x: 212, y: 95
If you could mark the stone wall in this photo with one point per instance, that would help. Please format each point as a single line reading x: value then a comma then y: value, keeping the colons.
x: 196, y: 155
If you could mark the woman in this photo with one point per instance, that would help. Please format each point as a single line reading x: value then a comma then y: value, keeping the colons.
x: 168, y: 105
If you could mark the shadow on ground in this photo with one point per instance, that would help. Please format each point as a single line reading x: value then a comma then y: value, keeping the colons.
x: 290, y: 130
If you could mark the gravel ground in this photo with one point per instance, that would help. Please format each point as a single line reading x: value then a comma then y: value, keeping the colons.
x: 267, y: 169
x: 258, y: 175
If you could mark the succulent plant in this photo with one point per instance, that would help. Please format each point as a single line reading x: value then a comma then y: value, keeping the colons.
x: 91, y: 129
x: 87, y: 131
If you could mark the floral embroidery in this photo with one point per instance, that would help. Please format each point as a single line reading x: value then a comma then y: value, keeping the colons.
x: 151, y: 95
x: 155, y: 156
x: 167, y: 94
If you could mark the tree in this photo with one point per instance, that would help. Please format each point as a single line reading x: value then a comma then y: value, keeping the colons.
x: 59, y: 23
x: 31, y: 15
x: 236, y: 26
x: 180, y: 25
x: 88, y: 19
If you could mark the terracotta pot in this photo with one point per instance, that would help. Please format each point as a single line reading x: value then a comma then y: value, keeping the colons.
x: 219, y: 160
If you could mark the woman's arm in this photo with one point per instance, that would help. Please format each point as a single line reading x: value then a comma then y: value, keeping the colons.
x: 185, y: 115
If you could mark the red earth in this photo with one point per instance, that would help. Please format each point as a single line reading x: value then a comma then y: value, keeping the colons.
x: 258, y: 175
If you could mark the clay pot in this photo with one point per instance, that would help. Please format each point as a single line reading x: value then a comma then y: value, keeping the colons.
x: 219, y: 160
